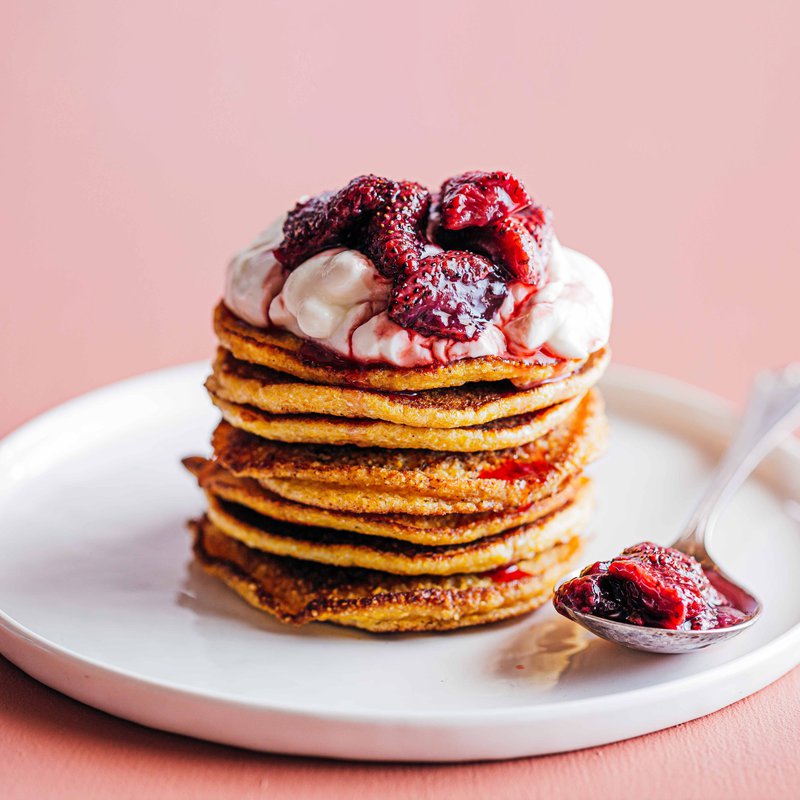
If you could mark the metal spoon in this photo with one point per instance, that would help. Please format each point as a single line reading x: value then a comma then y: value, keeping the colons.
x: 772, y: 412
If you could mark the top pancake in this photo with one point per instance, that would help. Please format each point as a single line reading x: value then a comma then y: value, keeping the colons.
x: 282, y: 351
x: 455, y: 407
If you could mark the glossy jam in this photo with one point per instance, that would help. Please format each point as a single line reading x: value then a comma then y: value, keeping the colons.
x: 316, y: 355
x: 652, y: 586
x: 512, y: 470
x: 511, y: 572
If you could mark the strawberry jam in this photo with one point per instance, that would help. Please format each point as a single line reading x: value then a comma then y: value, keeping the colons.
x: 511, y: 572
x: 650, y: 585
x: 512, y: 470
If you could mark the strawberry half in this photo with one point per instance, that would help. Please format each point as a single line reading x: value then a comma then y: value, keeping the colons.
x: 476, y: 199
x: 451, y: 294
x: 394, y: 237
x: 520, y: 244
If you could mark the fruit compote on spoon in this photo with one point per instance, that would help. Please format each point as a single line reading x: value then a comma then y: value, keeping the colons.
x: 676, y: 599
x: 648, y: 584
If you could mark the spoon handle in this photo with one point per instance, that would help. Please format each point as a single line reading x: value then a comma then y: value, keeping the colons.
x: 772, y: 412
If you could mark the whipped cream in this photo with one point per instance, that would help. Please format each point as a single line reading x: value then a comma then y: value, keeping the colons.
x: 338, y: 299
x: 329, y: 296
x: 254, y: 276
x: 570, y: 315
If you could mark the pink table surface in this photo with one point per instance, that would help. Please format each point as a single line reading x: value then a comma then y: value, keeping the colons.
x: 143, y: 142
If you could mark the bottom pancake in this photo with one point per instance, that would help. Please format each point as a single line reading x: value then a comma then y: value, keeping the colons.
x: 298, y: 591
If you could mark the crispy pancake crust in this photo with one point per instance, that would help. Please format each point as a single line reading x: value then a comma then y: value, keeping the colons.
x: 281, y: 351
x: 374, y: 480
x: 298, y: 591
x: 345, y: 549
x: 426, y: 530
x: 499, y: 434
x: 457, y: 407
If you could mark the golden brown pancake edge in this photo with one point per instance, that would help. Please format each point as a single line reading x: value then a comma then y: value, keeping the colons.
x: 420, y: 529
x: 455, y: 407
x: 299, y: 592
x: 347, y: 549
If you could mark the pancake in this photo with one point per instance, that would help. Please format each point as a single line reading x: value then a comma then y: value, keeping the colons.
x: 284, y: 352
x: 498, y: 434
x: 457, y: 407
x: 427, y: 530
x: 345, y: 549
x: 298, y: 591
x: 374, y: 480
x: 371, y: 500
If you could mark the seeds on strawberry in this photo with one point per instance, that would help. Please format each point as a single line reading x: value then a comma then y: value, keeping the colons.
x: 395, y: 235
x: 519, y: 244
x: 451, y: 295
x: 384, y: 218
x: 306, y: 231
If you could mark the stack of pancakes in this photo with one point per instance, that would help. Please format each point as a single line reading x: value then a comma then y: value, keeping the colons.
x: 393, y: 499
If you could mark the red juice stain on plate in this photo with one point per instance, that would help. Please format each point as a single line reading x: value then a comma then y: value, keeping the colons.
x: 511, y: 572
x: 512, y: 470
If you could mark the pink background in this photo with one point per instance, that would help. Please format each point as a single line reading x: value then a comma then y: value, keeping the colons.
x: 142, y: 143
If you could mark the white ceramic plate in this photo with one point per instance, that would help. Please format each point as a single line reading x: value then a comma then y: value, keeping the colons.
x: 100, y: 601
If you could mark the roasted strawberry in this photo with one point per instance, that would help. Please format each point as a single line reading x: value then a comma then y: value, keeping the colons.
x: 395, y: 235
x: 520, y: 244
x: 480, y: 198
x: 362, y: 196
x: 451, y: 295
x: 384, y: 218
x: 331, y: 218
x: 306, y: 231
x: 539, y: 222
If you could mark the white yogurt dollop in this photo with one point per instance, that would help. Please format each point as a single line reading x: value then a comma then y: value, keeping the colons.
x: 381, y: 340
x: 338, y: 299
x: 570, y: 315
x: 328, y: 296
x: 254, y: 276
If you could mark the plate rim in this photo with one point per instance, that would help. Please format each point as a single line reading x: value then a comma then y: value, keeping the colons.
x: 777, y: 656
